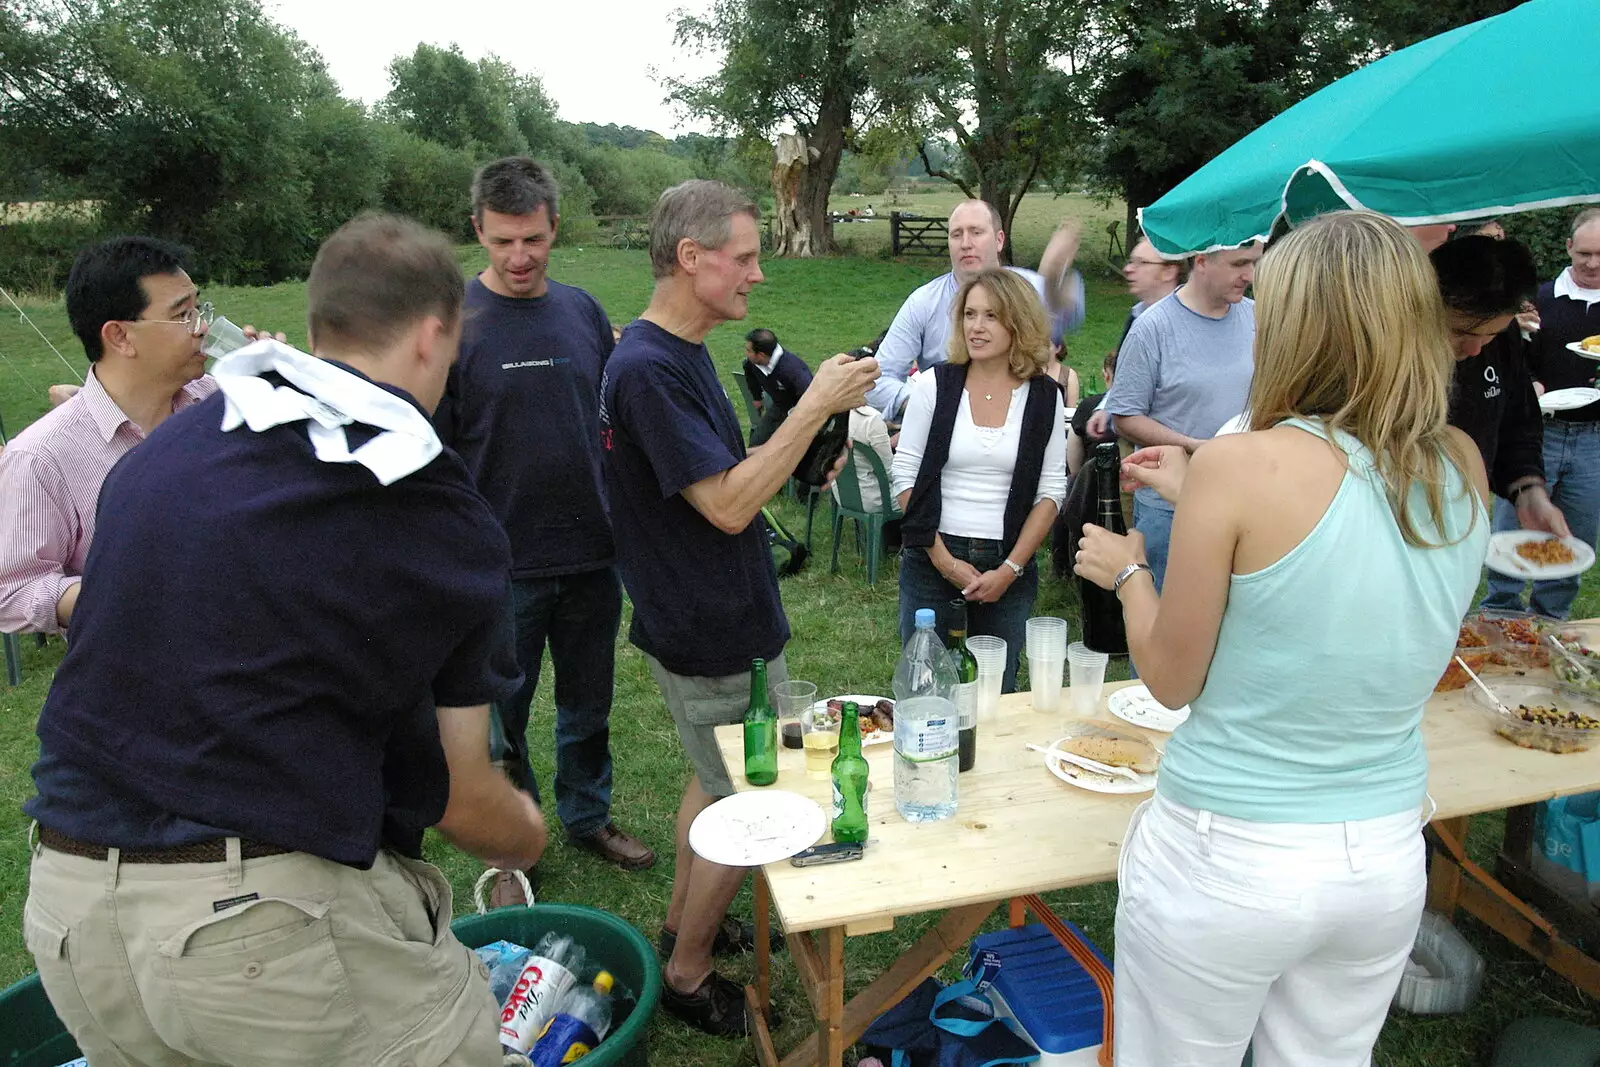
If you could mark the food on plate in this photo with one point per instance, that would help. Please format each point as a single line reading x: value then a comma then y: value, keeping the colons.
x: 1456, y: 678
x: 883, y: 715
x: 1113, y: 752
x: 871, y: 718
x: 1515, y: 641
x: 1532, y: 728
x: 1591, y: 343
x: 1470, y: 638
x: 1548, y: 552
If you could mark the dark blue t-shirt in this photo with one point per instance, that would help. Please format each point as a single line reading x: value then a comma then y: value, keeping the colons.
x: 522, y: 410
x: 261, y: 641
x: 704, y: 602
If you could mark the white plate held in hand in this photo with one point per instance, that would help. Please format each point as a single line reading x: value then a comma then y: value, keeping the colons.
x: 1503, y: 557
x: 1576, y: 348
x: 1135, y: 704
x: 755, y: 828
x: 1568, y: 399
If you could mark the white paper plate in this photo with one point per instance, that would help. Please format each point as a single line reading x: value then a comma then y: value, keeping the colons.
x: 762, y: 826
x: 1576, y: 347
x: 863, y: 702
x: 1568, y: 399
x: 1135, y: 704
x: 1503, y: 557
x: 1072, y: 774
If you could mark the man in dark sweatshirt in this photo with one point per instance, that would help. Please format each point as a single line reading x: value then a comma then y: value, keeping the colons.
x: 1569, y: 311
x: 522, y: 407
x: 776, y: 378
x: 1484, y: 283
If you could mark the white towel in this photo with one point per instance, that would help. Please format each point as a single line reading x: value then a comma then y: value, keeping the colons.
x: 330, y: 398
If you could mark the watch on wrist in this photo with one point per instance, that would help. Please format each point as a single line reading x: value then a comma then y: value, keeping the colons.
x: 1016, y: 568
x: 1516, y: 494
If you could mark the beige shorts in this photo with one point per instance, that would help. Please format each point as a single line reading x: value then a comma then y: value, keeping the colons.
x: 699, y: 705
x: 284, y: 960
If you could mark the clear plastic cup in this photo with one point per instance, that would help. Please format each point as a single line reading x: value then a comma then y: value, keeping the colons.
x: 221, y: 338
x: 792, y: 699
x: 820, y: 737
x: 990, y: 652
x: 1047, y: 651
x: 1087, y: 672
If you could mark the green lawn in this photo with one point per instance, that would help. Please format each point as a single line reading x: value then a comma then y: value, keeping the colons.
x: 845, y: 641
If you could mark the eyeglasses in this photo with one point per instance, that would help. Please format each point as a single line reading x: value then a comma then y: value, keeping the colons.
x: 1147, y: 262
x: 197, y: 319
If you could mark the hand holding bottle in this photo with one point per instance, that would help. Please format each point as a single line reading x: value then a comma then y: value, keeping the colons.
x: 841, y: 383
x: 1161, y: 467
x: 1102, y: 555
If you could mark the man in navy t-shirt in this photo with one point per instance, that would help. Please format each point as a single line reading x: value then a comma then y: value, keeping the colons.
x: 685, y: 503
x: 775, y: 377
x: 293, y: 619
x: 522, y: 410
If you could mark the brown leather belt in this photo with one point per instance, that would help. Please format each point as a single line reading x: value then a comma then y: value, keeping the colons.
x: 202, y: 852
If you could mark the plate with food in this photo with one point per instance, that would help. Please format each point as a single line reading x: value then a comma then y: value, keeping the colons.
x: 1537, y: 716
x: 757, y: 827
x: 1538, y: 556
x: 1588, y: 348
x: 1568, y: 399
x: 1135, y: 705
x: 1110, y: 746
x: 875, y: 715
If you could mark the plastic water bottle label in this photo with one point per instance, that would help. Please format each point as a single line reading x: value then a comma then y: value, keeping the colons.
x: 925, y: 740
x: 966, y: 697
x: 532, y: 1002
x: 563, y: 1040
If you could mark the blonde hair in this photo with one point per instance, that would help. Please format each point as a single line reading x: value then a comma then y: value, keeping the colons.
x: 1350, y: 330
x: 1016, y: 305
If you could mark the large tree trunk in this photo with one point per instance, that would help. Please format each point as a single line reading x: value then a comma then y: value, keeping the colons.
x: 802, y: 177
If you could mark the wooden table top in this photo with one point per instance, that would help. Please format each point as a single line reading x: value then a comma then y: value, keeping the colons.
x: 1020, y: 830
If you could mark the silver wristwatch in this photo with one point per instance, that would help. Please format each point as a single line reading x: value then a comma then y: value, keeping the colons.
x: 1128, y: 572
x: 1016, y: 568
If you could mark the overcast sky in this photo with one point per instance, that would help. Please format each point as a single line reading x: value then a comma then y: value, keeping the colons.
x: 594, y: 56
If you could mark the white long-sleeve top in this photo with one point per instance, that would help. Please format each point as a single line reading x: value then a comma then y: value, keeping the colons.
x: 977, y: 473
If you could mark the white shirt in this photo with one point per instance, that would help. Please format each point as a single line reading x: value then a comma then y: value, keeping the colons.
x: 1238, y: 424
x: 771, y: 364
x: 920, y: 336
x: 1570, y: 289
x: 977, y: 472
x: 868, y: 430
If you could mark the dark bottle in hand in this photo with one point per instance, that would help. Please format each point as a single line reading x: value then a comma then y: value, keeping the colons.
x: 1102, y: 611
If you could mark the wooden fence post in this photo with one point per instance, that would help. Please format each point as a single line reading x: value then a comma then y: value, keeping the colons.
x: 894, y: 233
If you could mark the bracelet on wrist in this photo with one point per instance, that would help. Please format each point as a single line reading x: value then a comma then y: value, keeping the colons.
x: 1128, y: 572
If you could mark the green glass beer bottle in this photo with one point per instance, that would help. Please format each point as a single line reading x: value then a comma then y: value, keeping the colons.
x: 850, y: 781
x: 760, y: 730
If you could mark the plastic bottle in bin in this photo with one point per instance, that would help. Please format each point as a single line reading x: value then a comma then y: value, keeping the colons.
x: 580, y: 1024
x: 549, y: 975
x: 926, y: 725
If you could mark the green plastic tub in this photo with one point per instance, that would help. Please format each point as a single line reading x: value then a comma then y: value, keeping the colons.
x: 611, y: 943
x: 32, y: 1036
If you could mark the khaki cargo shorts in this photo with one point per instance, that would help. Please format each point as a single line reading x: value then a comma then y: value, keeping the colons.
x: 291, y: 960
x: 699, y: 705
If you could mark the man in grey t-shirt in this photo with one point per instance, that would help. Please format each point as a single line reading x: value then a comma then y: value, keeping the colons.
x: 1183, y: 370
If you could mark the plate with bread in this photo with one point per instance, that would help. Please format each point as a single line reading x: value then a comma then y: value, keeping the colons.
x: 1588, y: 348
x: 1105, y: 745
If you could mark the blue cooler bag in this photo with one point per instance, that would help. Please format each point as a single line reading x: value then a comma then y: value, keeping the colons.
x: 954, y: 1026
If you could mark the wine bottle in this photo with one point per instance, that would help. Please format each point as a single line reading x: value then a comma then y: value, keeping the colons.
x: 966, y: 665
x: 1102, y: 611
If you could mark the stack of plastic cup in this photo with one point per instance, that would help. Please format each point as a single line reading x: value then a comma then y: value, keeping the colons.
x: 1087, y: 670
x: 990, y: 652
x: 1047, y: 648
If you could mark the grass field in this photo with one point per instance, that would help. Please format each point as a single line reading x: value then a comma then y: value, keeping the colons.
x: 845, y: 641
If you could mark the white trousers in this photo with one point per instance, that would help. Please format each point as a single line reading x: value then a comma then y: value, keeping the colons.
x: 1292, y: 936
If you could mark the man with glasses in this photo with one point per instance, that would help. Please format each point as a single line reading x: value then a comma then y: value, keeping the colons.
x: 1151, y: 279
x: 138, y: 315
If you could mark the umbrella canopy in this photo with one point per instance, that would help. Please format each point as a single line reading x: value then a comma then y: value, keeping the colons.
x: 1490, y: 118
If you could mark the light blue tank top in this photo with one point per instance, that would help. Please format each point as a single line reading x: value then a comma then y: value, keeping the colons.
x: 1312, y: 708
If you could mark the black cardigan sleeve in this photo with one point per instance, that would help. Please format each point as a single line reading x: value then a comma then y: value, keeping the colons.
x: 1521, y: 446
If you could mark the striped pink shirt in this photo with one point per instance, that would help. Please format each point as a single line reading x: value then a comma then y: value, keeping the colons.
x: 50, y: 477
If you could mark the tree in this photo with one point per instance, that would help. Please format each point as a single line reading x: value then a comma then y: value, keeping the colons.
x: 997, y: 76
x: 785, y: 65
x: 441, y: 96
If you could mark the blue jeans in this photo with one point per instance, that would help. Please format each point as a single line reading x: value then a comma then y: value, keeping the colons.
x: 1572, y: 469
x: 922, y: 586
x: 1155, y: 522
x: 578, y: 614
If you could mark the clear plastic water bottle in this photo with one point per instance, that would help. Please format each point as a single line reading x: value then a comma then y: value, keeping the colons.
x: 580, y: 1024
x: 539, y: 991
x: 926, y: 724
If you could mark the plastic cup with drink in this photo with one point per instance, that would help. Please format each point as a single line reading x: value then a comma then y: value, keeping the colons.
x: 794, y: 698
x: 820, y: 736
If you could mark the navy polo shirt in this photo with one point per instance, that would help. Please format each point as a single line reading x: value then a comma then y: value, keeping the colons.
x: 522, y: 409
x: 704, y: 602
x: 261, y: 642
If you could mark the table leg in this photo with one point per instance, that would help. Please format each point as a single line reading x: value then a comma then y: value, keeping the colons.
x: 830, y: 1021
x: 763, y: 910
x: 1444, y: 880
x: 920, y: 961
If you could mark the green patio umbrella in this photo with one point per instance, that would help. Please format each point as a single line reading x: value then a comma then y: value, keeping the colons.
x: 1498, y: 116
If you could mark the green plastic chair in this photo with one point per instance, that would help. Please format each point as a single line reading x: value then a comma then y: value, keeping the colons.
x: 847, y: 504
x: 749, y: 399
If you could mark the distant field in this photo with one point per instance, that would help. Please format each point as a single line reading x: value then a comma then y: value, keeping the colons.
x: 33, y: 210
x: 1036, y: 220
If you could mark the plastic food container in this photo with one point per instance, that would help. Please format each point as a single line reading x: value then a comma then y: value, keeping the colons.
x: 1569, y: 723
x: 1582, y: 676
x: 1515, y: 638
x: 1444, y: 972
x: 1478, y: 657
